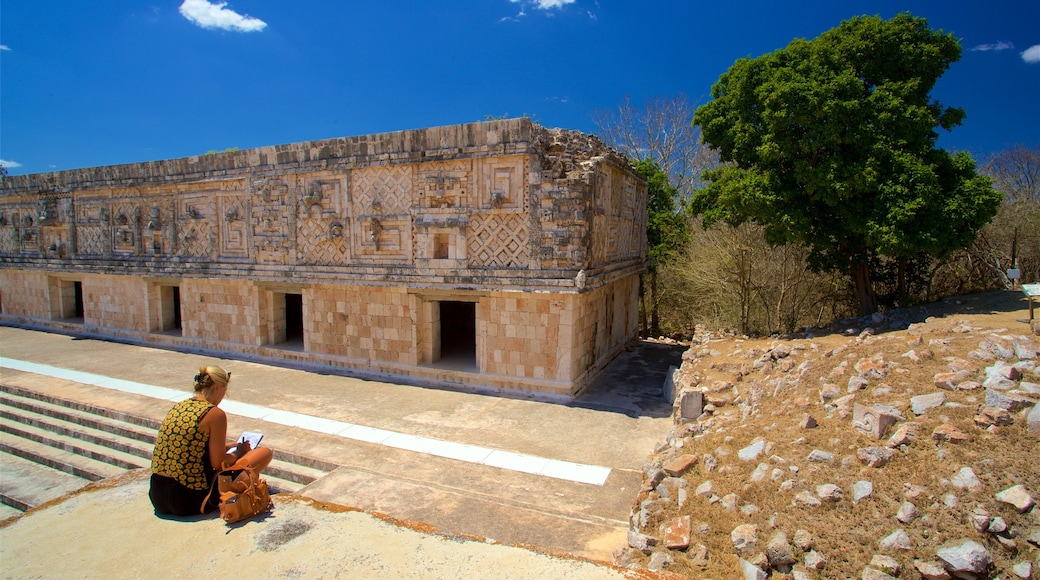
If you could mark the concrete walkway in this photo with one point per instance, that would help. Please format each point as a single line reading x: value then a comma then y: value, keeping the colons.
x: 521, y: 471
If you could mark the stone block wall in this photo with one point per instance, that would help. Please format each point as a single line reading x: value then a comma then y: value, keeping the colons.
x: 343, y: 252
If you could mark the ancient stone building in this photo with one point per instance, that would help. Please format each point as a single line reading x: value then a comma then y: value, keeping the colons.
x: 498, y: 255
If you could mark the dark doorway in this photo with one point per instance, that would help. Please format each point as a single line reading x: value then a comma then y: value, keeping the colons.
x: 294, y: 318
x: 176, y: 308
x: 459, y: 334
x: 77, y: 289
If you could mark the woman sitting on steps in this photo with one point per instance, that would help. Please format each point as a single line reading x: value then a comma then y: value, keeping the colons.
x: 192, y: 446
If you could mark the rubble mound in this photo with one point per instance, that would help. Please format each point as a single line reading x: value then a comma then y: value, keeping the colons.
x: 885, y: 448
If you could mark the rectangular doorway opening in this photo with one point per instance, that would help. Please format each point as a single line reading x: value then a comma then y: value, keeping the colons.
x: 294, y: 320
x: 170, y: 310
x: 458, y: 331
x: 77, y: 291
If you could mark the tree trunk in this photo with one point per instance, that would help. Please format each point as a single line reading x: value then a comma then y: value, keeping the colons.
x: 655, y: 319
x: 642, y: 310
x: 864, y: 289
x: 901, y: 290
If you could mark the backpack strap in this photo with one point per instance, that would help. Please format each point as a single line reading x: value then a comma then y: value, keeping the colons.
x: 240, y: 464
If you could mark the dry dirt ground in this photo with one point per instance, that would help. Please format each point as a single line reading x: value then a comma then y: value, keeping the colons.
x: 770, y: 402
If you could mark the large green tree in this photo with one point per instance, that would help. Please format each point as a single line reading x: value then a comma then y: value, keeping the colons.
x: 666, y: 233
x: 831, y: 143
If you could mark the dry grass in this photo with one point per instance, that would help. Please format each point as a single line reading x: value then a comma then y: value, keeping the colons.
x: 847, y: 533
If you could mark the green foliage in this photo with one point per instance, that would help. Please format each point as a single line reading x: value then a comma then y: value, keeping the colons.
x: 666, y: 229
x: 228, y: 150
x: 830, y: 143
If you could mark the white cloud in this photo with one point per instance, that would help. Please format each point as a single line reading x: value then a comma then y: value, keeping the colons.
x: 209, y: 15
x: 9, y: 164
x: 545, y: 4
x: 4, y: 47
x: 1032, y: 54
x: 994, y: 46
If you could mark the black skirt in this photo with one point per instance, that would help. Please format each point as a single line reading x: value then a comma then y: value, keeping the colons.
x: 169, y: 497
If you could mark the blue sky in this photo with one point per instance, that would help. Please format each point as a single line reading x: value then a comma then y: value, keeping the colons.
x: 88, y: 83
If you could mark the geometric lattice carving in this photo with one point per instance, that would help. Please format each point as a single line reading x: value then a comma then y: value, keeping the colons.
x: 92, y: 240
x: 9, y: 237
x: 390, y: 188
x: 497, y: 241
x: 272, y: 219
x: 125, y: 218
x: 321, y: 243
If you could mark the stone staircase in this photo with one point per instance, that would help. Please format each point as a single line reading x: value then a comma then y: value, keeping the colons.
x: 51, y: 446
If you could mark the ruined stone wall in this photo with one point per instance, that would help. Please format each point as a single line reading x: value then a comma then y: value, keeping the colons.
x: 542, y: 230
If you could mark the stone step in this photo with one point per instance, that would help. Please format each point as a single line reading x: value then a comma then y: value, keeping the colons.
x: 58, y: 458
x: 25, y: 484
x: 109, y: 436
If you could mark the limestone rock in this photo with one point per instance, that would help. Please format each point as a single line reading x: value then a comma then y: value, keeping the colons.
x: 989, y: 416
x: 999, y: 346
x: 803, y: 540
x: 807, y: 422
x: 862, y: 490
x: 950, y: 381
x: 807, y: 499
x: 922, y: 403
x: 779, y: 551
x: 947, y: 432
x: 1033, y: 420
x: 1018, y: 497
x: 829, y: 492
x: 931, y: 571
x: 967, y: 559
x: 660, y: 561
x: 679, y: 465
x: 966, y: 479
x: 904, y: 435
x: 874, y: 574
x: 691, y: 404
x: 751, y: 572
x: 730, y: 501
x: 698, y: 555
x: 886, y: 564
x: 874, y: 456
x: 641, y: 542
x: 1023, y: 570
x: 874, y: 421
x: 744, y: 537
x: 897, y: 540
x: 705, y: 489
x: 856, y: 384
x: 760, y: 472
x: 677, y: 533
x: 814, y: 561
x: 751, y: 452
x: 907, y: 512
x: 979, y: 518
x: 819, y: 456
x: 1002, y: 401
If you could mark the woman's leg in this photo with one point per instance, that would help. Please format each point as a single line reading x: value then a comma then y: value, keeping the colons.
x: 259, y: 458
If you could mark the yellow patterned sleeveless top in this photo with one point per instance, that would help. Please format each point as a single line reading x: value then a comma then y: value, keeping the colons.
x: 180, y: 448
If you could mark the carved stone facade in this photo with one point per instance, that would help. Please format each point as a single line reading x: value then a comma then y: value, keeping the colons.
x: 498, y: 255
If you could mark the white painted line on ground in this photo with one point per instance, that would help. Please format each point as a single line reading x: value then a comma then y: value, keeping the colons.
x: 555, y: 468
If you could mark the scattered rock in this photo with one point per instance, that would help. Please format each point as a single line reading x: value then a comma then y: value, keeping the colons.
x: 1018, y: 497
x: 947, y: 432
x: 1023, y: 570
x: 680, y: 465
x: 751, y: 572
x: 677, y: 533
x: 803, y: 540
x: 814, y: 561
x: 751, y: 452
x: 965, y: 560
x: 950, y: 381
x: 886, y: 564
x: 807, y: 422
x: 806, y: 499
x: 779, y: 551
x: 856, y: 384
x: 930, y: 571
x: 904, y: 435
x: 744, y: 537
x: 641, y: 542
x: 874, y: 574
x: 897, y: 540
x: 1033, y: 420
x: 907, y: 512
x: 819, y: 456
x: 862, y: 490
x: 829, y: 492
x: 705, y: 489
x: 1002, y: 401
x: 874, y: 456
x: 660, y: 561
x: 966, y: 479
x: 873, y: 421
x: 698, y: 555
x: 922, y: 403
x: 990, y: 416
x: 979, y: 518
